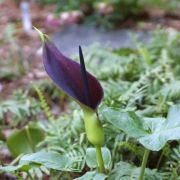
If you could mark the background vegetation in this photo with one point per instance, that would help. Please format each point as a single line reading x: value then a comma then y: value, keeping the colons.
x: 42, y: 133
x: 144, y: 79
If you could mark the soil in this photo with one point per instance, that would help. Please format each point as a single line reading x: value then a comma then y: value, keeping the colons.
x: 28, y: 43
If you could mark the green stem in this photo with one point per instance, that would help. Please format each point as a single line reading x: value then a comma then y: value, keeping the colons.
x: 16, y: 160
x: 143, y: 165
x: 160, y: 158
x: 29, y: 139
x: 95, y: 134
x: 100, y: 159
x: 30, y: 176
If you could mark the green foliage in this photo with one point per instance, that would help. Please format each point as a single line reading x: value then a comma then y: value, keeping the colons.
x: 50, y: 160
x: 21, y: 106
x: 171, y: 91
x: 31, y: 171
x: 152, y: 133
x: 148, y: 90
x: 173, y: 164
x: 24, y: 140
x: 135, y: 149
x: 44, y: 104
x: 126, y: 171
x: 42, y: 2
x: 92, y: 175
x: 140, y: 85
x: 65, y: 133
x: 10, y: 168
x: 78, y: 158
x: 91, y: 157
x: 64, y: 5
x: 47, y: 88
x: 122, y: 9
x: 132, y: 83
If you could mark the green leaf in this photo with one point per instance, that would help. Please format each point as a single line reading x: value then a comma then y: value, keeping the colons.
x: 91, y: 159
x: 153, y: 133
x: 145, y: 54
x: 126, y: 171
x: 129, y: 122
x: 18, y: 141
x: 51, y: 160
x: 21, y: 167
x: 92, y: 175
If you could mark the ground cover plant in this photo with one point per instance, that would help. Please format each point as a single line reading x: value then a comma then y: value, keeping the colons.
x: 136, y: 133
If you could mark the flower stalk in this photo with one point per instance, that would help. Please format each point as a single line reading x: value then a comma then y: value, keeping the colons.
x: 100, y: 160
x: 30, y: 139
x: 95, y: 135
x: 144, y: 162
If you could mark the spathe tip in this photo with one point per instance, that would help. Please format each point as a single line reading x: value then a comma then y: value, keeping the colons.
x: 84, y: 78
x: 41, y: 34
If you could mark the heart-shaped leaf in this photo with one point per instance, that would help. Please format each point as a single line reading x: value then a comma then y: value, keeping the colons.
x: 153, y: 133
x: 19, y: 143
x: 92, y: 175
x: 10, y: 168
x: 43, y: 159
x: 91, y: 159
x: 51, y: 160
x: 126, y: 171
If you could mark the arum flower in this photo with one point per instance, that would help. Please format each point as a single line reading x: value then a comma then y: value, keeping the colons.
x: 75, y: 81
x: 72, y: 77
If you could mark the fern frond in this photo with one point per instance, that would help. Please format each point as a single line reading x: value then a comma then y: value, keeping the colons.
x: 78, y: 158
x: 173, y: 165
x: 20, y: 106
x: 44, y: 104
x: 133, y: 148
x: 171, y: 91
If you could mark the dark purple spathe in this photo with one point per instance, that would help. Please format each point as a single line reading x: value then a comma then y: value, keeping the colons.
x: 66, y: 73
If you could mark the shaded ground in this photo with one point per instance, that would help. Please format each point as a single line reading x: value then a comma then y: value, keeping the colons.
x: 69, y: 38
x: 27, y: 43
